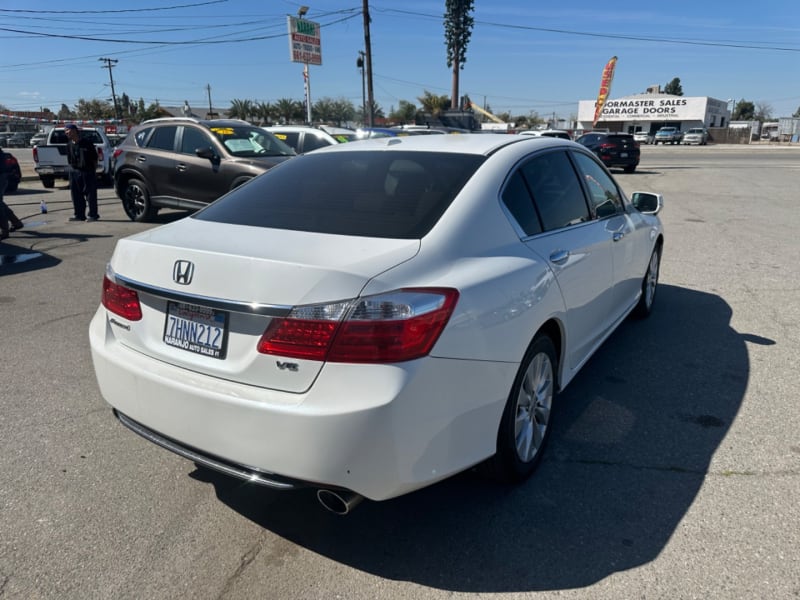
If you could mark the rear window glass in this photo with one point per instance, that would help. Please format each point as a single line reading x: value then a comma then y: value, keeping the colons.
x: 371, y: 194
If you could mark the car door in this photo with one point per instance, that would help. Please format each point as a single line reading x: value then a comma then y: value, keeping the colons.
x: 196, y: 178
x: 157, y: 160
x: 625, y: 229
x: 577, y: 248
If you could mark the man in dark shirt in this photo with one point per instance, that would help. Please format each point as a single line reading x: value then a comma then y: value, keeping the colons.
x: 82, y: 157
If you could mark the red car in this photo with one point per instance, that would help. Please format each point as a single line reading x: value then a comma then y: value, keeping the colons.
x: 14, y: 172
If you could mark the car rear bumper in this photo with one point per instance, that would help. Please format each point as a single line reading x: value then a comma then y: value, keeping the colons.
x: 378, y: 430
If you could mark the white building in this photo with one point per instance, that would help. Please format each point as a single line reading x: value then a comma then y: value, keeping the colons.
x: 652, y: 111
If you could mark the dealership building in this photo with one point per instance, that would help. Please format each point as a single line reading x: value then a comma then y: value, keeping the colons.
x: 651, y: 111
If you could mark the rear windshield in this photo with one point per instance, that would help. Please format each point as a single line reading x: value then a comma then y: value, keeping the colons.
x: 371, y: 193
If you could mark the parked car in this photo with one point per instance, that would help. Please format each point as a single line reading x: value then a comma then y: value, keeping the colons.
x: 644, y: 137
x: 373, y: 317
x: 187, y: 163
x: 13, y: 170
x: 38, y: 138
x: 614, y: 149
x: 342, y: 134
x: 668, y: 135
x: 15, y: 140
x: 302, y: 138
x: 696, y: 135
x: 557, y: 133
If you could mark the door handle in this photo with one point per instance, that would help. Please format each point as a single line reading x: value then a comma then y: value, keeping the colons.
x: 180, y: 167
x: 559, y: 257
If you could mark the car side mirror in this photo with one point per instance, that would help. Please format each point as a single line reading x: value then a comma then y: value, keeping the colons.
x: 208, y: 152
x: 648, y: 203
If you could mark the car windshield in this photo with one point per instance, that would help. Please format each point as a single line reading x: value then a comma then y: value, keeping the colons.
x: 362, y: 193
x: 247, y: 141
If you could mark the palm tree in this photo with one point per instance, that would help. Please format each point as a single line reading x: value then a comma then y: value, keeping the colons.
x: 240, y: 109
x: 264, y: 111
x: 288, y: 110
x: 433, y: 104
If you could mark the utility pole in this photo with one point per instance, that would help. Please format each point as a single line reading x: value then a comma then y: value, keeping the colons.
x: 368, y: 54
x: 210, y: 110
x: 360, y: 65
x: 111, y: 62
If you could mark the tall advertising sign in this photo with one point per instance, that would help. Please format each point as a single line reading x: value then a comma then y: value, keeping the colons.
x: 304, y: 41
x: 605, y: 88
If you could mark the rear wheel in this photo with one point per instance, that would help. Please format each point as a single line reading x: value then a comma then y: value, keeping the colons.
x: 525, y: 425
x: 136, y: 201
x: 48, y: 182
x: 630, y: 168
x: 649, y: 286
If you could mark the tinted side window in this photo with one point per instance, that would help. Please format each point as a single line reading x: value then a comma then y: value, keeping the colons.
x: 556, y: 190
x: 163, y: 138
x: 518, y: 200
x: 312, y: 141
x: 603, y: 192
x: 192, y: 140
x: 140, y: 137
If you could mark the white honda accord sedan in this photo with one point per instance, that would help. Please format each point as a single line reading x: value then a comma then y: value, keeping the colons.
x: 370, y: 318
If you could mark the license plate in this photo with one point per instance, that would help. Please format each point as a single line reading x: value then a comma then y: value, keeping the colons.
x: 196, y: 329
x: 623, y: 155
x: 46, y: 170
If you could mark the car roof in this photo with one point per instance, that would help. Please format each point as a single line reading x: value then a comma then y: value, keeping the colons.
x: 467, y: 143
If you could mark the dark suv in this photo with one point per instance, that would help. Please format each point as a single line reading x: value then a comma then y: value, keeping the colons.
x: 614, y: 149
x: 188, y: 163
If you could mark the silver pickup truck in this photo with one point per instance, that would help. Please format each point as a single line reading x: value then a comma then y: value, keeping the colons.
x: 51, y: 158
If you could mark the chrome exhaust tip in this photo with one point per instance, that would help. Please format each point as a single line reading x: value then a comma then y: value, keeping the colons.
x: 339, y: 502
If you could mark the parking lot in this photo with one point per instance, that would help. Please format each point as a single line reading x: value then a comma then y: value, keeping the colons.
x: 674, y: 471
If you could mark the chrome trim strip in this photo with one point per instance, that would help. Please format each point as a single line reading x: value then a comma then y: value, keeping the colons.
x: 238, y: 471
x: 249, y: 308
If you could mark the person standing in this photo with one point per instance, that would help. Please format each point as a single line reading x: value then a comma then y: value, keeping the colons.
x: 8, y: 220
x: 82, y: 158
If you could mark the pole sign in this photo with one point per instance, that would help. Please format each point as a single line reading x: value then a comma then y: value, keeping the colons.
x: 304, y: 41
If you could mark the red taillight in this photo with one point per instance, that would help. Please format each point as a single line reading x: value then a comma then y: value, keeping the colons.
x: 392, y: 327
x: 35, y: 154
x: 606, y: 146
x: 121, y: 300
x: 99, y: 154
x: 117, y: 152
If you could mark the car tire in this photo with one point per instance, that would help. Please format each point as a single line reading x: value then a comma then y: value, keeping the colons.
x: 12, y: 187
x: 526, y: 422
x: 136, y: 201
x: 629, y: 168
x: 649, y: 286
x: 48, y: 182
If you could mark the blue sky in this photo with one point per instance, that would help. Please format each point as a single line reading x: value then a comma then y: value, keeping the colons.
x: 524, y: 56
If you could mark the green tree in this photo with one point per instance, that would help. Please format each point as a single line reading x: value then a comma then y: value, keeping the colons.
x: 406, y: 113
x: 65, y: 114
x: 94, y: 109
x: 264, y: 112
x: 674, y: 87
x: 288, y: 110
x: 744, y: 111
x: 241, y: 109
x: 458, y: 23
x: 153, y: 111
x: 433, y: 104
